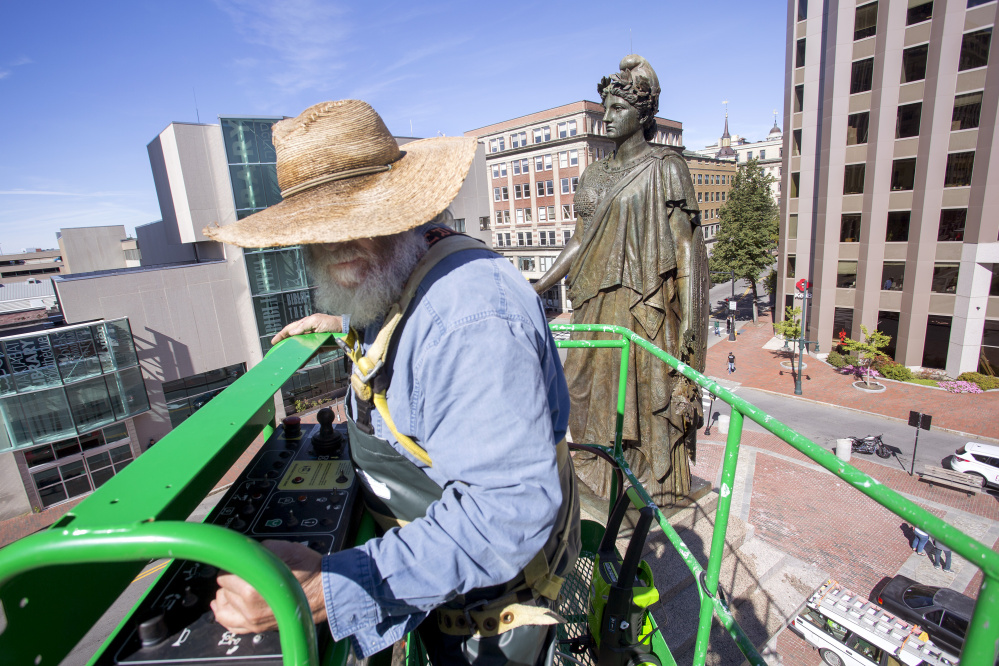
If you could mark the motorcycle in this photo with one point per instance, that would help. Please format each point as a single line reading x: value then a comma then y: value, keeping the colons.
x: 870, y: 444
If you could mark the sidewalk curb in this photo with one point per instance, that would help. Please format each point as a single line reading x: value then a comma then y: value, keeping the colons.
x: 861, y: 411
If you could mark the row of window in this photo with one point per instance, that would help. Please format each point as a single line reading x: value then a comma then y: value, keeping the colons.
x: 711, y: 196
x: 709, y: 214
x: 526, y: 238
x: 544, y: 188
x: 566, y: 159
x: 903, y: 173
x: 545, y: 214
x: 951, y: 227
x: 714, y: 179
x: 748, y: 155
x: 944, y: 279
x: 563, y: 130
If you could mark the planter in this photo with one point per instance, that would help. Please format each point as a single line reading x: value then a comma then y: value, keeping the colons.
x: 792, y: 365
x: 873, y: 387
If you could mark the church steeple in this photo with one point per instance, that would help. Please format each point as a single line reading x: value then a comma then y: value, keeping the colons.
x: 726, y: 151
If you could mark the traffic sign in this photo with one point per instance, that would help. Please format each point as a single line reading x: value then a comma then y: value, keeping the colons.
x: 803, y: 284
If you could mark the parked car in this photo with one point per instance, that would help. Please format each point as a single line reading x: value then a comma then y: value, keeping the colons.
x: 978, y: 459
x: 940, y: 611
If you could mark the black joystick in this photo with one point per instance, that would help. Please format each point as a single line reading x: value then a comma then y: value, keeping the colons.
x: 327, y: 442
x: 154, y: 630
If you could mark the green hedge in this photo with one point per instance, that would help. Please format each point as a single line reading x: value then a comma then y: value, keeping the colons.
x: 896, y: 371
x: 984, y: 382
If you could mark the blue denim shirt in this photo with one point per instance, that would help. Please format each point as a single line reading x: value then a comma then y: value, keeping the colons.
x: 476, y: 382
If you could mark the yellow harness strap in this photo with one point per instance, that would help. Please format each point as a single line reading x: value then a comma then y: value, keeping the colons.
x: 366, y: 366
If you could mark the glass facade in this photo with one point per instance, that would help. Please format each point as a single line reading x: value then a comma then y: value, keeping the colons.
x: 68, y: 382
x: 279, y: 285
x: 188, y: 395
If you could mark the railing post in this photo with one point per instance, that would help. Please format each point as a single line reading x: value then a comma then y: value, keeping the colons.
x: 982, y: 643
x: 710, y: 583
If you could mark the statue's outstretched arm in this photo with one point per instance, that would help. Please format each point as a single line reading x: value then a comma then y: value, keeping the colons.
x: 561, y: 266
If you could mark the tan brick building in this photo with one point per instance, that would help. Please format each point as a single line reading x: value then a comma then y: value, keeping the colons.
x: 712, y: 180
x: 533, y: 164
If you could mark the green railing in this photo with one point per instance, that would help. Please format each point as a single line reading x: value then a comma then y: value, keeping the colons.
x: 983, y: 633
x: 70, y: 574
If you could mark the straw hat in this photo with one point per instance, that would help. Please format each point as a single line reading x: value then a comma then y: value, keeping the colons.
x: 343, y: 177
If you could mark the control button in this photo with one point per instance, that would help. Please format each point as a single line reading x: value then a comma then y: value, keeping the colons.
x: 292, y: 426
x: 327, y: 442
x: 238, y: 524
x: 284, y: 454
x: 272, y: 474
x: 273, y: 523
x: 278, y: 464
x: 154, y: 630
x: 248, y: 510
x: 256, y: 496
x: 302, y: 498
x: 292, y: 519
x: 342, y: 478
x: 207, y: 571
x: 310, y: 522
x: 190, y: 598
x: 327, y: 522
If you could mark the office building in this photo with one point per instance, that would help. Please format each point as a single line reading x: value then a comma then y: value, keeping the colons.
x: 712, y: 178
x: 533, y: 164
x: 889, y: 176
x: 768, y: 153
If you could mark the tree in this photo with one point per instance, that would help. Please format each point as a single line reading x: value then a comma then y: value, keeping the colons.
x: 868, y: 350
x: 747, y: 235
x: 790, y: 327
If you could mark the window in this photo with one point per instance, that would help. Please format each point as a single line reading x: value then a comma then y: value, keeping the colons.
x: 796, y: 142
x: 763, y: 154
x: 959, y: 168
x: 856, y: 128
x: 499, y: 217
x: 853, y: 178
x: 573, y: 158
x: 546, y: 263
x: 563, y: 160
x: 842, y: 321
x: 975, y: 3
x: 892, y: 275
x: 459, y: 224
x: 567, y: 129
x: 539, y: 163
x: 568, y: 211
x: 699, y: 197
x: 862, y: 647
x: 525, y: 165
x: 494, y: 145
x: 518, y: 191
x: 749, y: 155
x: 548, y: 162
x: 799, y: 98
x: 516, y: 167
x: 849, y: 228
x: 794, y: 185
x: 574, y: 182
x: 505, y: 191
x: 846, y: 274
x: 888, y: 324
x: 935, y: 345
x: 548, y: 236
x: 496, y: 171
x: 520, y: 216
x: 802, y: 10
x: 990, y: 335
x: 919, y: 11
x: 799, y: 53
x: 540, y: 187
x: 542, y: 134
x: 975, y: 49
x: 944, y: 278
x: 565, y: 185
x: 550, y: 187
x: 484, y: 223
x: 952, y: 224
x: 699, y: 179
x: 792, y: 263
x: 865, y: 21
x: 792, y: 226
x: 566, y: 235
x: 907, y: 124
x: 527, y: 215
x: 496, y: 194
x: 525, y: 263
x: 518, y: 140
x: 542, y: 214
x: 967, y: 111
x: 862, y: 76
x: 914, y: 63
x: 723, y: 196
x: 524, y: 238
x: 903, y: 174
x: 897, y: 230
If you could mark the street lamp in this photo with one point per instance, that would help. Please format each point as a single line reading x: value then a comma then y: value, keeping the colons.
x: 802, y: 348
x: 731, y: 330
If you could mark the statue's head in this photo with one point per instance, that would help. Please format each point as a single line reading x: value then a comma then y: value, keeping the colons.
x: 638, y: 85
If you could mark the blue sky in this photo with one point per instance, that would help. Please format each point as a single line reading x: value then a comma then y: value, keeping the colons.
x: 85, y: 86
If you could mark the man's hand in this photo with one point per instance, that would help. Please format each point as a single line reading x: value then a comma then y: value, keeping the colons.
x: 316, y: 323
x: 239, y: 608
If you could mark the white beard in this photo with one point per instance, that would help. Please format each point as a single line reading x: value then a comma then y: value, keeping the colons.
x: 381, y: 284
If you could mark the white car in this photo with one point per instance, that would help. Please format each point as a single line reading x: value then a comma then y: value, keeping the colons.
x: 978, y: 459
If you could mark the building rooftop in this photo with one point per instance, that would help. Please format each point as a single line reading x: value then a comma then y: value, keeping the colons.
x: 126, y: 271
x: 15, y: 291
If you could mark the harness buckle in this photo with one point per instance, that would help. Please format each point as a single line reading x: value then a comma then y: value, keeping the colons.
x: 366, y: 377
x: 342, y: 344
x: 472, y: 626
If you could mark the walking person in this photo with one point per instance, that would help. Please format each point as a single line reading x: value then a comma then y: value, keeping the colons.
x: 941, y: 552
x: 919, y: 540
x: 731, y: 363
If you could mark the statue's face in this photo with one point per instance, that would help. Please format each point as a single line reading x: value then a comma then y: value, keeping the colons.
x: 621, y: 119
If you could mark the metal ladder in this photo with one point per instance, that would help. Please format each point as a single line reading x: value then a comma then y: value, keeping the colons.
x: 867, y: 618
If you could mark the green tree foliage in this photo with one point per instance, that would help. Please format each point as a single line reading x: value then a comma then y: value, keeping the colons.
x: 868, y: 349
x: 790, y: 327
x: 747, y: 234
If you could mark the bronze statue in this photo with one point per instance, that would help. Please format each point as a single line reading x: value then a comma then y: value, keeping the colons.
x: 638, y: 260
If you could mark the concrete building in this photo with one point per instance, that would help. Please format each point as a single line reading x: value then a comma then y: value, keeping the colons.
x: 712, y: 180
x: 768, y: 153
x: 891, y: 175
x: 88, y: 249
x: 35, y: 264
x: 533, y: 164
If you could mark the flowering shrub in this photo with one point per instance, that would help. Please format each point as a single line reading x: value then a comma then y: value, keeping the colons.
x: 859, y: 372
x: 960, y: 387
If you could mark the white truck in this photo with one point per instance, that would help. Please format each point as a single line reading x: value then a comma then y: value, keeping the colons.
x: 849, y: 630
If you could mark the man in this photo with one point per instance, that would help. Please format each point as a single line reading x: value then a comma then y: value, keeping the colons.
x: 731, y: 363
x: 457, y: 422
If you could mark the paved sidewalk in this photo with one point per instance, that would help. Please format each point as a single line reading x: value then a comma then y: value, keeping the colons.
x: 756, y: 367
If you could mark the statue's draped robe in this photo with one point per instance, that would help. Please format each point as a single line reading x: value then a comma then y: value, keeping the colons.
x: 624, y: 273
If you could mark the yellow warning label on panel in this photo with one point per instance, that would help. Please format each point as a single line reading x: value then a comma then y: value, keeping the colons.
x: 317, y: 475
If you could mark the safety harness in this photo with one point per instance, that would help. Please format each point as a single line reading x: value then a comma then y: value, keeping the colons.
x: 370, y: 383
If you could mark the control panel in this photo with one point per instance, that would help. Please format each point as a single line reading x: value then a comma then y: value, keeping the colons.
x: 299, y: 487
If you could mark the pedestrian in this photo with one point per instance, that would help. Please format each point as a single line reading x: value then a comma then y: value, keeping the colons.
x: 941, y: 552
x: 731, y: 363
x: 718, y: 329
x: 919, y: 539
